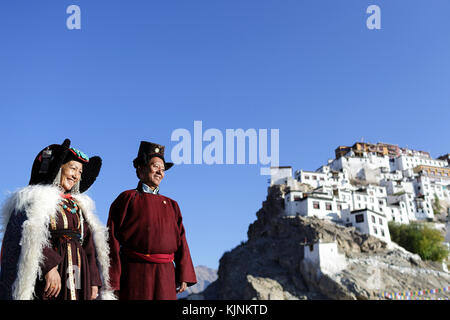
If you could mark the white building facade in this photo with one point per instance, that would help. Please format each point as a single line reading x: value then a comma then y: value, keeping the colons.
x: 369, y: 189
x: 368, y: 222
x: 325, y: 257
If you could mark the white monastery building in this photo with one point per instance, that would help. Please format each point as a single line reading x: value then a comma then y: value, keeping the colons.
x: 368, y: 185
x: 325, y: 257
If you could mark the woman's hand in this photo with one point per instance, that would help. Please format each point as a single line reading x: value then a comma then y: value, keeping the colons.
x: 94, y: 290
x: 52, y: 283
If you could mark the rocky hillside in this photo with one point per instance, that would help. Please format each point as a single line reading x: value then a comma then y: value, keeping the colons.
x: 270, y: 264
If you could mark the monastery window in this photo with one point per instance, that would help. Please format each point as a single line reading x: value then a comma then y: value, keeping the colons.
x: 375, y: 230
x: 373, y: 219
x: 328, y: 206
x: 380, y: 221
x: 359, y: 218
x: 339, y: 207
x: 382, y: 232
x: 306, y: 177
x: 380, y: 202
x: 316, y: 205
x: 314, y: 177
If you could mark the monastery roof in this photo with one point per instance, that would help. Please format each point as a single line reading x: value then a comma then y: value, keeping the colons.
x: 314, y: 197
x: 366, y: 209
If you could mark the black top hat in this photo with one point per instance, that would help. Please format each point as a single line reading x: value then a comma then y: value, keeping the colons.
x: 47, y: 163
x: 148, y: 150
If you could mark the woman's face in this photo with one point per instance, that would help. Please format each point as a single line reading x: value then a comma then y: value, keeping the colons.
x: 70, y: 174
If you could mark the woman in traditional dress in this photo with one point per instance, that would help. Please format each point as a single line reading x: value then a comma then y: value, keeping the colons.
x: 54, y: 247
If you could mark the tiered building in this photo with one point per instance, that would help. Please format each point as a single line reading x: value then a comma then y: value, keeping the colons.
x: 368, y: 185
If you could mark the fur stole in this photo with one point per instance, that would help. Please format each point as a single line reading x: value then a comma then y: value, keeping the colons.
x: 40, y: 203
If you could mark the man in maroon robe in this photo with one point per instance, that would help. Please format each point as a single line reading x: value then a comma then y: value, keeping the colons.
x: 149, y: 253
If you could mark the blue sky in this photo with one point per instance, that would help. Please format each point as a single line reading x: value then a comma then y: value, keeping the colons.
x: 138, y: 70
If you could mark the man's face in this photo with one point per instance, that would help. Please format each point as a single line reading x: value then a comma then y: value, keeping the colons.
x: 153, y: 173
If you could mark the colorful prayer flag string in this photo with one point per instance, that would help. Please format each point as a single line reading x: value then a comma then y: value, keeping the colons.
x: 411, y: 295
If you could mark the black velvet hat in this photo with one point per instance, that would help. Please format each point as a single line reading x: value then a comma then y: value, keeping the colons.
x: 148, y: 150
x: 47, y: 163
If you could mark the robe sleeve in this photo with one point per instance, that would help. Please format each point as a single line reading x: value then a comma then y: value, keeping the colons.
x: 184, y: 269
x: 91, y: 255
x: 51, y: 260
x: 117, y: 212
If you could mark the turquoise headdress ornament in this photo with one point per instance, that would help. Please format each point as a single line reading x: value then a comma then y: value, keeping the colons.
x: 80, y: 155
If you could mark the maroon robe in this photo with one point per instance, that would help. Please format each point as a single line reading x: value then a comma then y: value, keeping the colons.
x: 148, y: 224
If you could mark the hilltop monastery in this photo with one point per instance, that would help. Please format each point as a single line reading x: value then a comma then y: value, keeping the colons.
x: 368, y: 185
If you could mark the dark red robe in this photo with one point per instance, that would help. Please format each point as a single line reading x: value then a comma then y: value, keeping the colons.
x: 148, y: 224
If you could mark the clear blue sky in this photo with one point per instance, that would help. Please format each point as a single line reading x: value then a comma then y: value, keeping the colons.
x: 138, y: 70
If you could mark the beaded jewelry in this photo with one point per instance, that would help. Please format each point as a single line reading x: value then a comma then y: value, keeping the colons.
x: 73, y: 210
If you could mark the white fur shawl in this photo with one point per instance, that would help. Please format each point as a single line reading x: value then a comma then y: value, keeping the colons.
x: 40, y: 202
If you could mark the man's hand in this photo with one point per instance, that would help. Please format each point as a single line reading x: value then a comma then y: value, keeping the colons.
x: 183, y: 287
x: 52, y: 283
x: 94, y: 292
